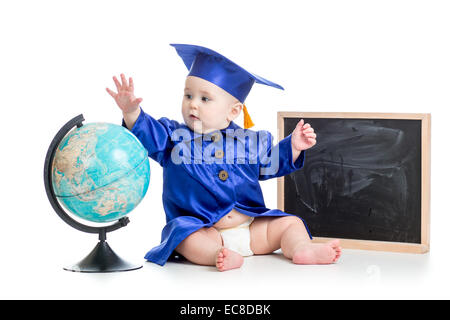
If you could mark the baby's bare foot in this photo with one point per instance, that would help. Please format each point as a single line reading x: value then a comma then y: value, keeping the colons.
x: 227, y: 259
x: 317, y: 253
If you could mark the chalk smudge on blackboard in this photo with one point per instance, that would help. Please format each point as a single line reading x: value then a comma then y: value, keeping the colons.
x: 360, y: 167
x: 352, y: 159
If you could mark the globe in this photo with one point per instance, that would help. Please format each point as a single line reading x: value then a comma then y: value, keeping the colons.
x: 100, y: 172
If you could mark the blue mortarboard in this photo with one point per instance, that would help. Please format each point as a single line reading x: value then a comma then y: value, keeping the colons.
x: 213, y: 67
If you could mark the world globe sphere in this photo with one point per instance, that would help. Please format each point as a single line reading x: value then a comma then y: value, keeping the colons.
x: 100, y: 172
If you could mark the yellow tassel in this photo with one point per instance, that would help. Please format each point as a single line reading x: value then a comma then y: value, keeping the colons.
x: 248, y: 123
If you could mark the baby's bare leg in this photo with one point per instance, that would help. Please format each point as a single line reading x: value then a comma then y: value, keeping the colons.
x: 202, y: 246
x: 268, y: 234
x: 205, y: 247
x: 289, y: 233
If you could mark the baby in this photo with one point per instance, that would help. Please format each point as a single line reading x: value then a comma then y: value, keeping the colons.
x: 215, y: 210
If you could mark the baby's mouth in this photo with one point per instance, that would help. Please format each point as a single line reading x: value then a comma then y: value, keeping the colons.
x: 193, y: 117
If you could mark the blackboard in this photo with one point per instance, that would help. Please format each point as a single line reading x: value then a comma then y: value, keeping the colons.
x: 366, y: 180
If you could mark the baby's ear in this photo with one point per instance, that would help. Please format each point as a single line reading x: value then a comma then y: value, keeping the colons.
x: 235, y: 111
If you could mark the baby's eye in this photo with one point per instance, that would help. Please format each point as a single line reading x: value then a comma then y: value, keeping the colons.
x: 188, y: 96
x: 205, y: 99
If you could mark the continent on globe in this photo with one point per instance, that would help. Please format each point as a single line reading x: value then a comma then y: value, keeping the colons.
x: 100, y: 172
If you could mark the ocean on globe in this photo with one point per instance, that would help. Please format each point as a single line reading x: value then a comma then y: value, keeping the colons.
x: 100, y: 172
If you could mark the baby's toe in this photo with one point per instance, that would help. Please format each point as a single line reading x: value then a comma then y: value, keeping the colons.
x: 334, y: 243
x: 225, y: 252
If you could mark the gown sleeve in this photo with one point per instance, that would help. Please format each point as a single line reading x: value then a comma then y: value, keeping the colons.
x: 277, y: 160
x: 155, y: 135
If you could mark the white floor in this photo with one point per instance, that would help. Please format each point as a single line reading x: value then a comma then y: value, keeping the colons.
x: 357, y: 275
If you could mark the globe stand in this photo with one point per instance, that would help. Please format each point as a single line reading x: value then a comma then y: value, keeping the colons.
x: 102, y: 258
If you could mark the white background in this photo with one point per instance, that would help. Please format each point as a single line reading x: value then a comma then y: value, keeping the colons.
x: 57, y: 58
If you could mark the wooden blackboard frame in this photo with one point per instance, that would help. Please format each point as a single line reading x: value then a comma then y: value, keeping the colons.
x: 425, y: 119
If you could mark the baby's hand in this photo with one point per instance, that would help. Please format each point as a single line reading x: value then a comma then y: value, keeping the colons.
x: 124, y: 97
x: 303, y: 136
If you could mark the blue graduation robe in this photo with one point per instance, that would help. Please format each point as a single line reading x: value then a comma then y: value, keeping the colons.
x: 201, y: 185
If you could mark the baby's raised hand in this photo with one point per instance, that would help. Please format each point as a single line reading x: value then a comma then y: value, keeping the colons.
x: 303, y: 136
x: 124, y: 97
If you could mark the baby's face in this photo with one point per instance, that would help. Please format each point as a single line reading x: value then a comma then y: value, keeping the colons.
x: 206, y: 107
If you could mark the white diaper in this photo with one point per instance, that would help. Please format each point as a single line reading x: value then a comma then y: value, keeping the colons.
x: 238, y: 238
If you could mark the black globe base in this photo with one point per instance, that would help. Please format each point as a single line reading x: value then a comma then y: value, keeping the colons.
x: 102, y: 259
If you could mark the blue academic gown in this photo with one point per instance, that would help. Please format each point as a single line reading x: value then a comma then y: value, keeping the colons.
x: 198, y: 191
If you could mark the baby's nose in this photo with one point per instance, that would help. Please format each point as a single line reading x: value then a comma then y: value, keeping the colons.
x: 193, y: 105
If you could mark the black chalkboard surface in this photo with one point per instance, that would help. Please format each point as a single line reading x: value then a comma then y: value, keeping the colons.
x: 363, y: 180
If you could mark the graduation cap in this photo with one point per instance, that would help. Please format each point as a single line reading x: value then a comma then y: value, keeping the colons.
x: 224, y: 73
